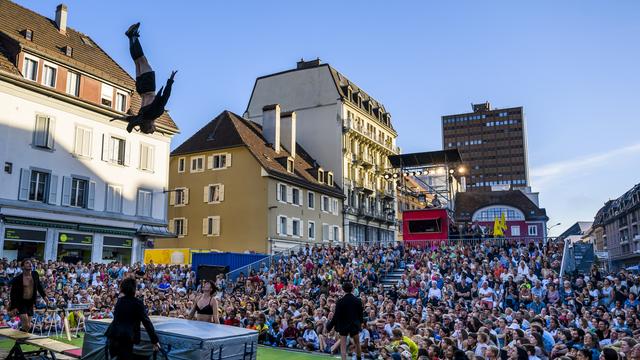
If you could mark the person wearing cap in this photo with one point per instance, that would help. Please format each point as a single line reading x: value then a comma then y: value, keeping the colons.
x: 347, y: 320
x: 399, y: 339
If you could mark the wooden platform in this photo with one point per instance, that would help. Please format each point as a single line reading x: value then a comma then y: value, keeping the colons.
x: 17, y: 334
x: 50, y: 344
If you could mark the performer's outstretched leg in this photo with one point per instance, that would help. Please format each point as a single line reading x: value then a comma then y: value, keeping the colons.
x: 145, y: 76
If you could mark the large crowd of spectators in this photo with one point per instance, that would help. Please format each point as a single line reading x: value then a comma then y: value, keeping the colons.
x: 459, y: 300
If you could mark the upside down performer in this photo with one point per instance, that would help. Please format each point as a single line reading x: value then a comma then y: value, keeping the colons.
x: 153, y: 103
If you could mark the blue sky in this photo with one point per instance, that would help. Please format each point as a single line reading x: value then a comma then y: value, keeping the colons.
x: 573, y: 65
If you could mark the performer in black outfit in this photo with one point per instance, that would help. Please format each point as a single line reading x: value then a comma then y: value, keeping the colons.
x: 124, y: 330
x: 23, y: 294
x: 152, y: 104
x: 347, y: 320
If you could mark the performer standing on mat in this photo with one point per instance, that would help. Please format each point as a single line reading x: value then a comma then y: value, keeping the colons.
x: 23, y: 294
x: 153, y: 104
x: 124, y: 330
x: 205, y: 307
x: 347, y: 320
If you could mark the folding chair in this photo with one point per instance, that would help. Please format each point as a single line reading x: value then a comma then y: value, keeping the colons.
x: 79, y: 324
x: 37, y: 322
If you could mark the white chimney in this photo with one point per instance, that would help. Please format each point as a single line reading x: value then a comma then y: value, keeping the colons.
x: 288, y: 127
x: 271, y: 125
x: 61, y: 18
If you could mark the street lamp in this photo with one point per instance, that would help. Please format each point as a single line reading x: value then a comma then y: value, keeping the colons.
x: 552, y: 226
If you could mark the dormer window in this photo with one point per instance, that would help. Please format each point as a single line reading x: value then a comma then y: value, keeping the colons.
x: 28, y: 34
x: 290, y: 165
x: 68, y: 50
x: 349, y: 92
x: 320, y: 176
x: 330, y: 178
x: 106, y: 97
x: 121, y: 101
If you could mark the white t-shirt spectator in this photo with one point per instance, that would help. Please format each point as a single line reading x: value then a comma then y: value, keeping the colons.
x: 435, y: 293
x: 486, y: 294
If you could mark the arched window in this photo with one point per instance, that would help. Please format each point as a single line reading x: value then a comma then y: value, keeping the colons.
x: 490, y: 213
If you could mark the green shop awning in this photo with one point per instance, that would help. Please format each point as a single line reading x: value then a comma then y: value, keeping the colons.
x: 107, y: 230
x: 39, y: 223
x: 14, y: 220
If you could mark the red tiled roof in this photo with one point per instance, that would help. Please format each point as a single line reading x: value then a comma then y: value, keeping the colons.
x: 47, y: 41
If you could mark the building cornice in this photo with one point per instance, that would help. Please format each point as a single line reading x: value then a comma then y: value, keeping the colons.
x: 77, y: 212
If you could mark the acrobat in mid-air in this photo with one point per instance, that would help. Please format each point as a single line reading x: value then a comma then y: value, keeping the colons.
x: 153, y: 103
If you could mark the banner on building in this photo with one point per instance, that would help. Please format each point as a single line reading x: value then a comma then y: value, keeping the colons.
x: 167, y: 256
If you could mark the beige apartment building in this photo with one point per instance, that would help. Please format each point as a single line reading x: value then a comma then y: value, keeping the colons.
x: 346, y: 129
x: 239, y: 186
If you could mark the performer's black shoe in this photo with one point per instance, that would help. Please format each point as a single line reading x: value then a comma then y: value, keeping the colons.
x: 133, y: 30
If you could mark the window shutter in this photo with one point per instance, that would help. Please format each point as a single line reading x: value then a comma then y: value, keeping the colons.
x: 216, y: 226
x: 186, y: 196
x: 278, y: 192
x: 289, y: 227
x: 144, y: 157
x: 66, y: 191
x: 105, y: 147
x: 185, y: 226
x: 51, y: 132
x: 205, y: 226
x: 91, y: 199
x: 53, y: 190
x: 86, y: 145
x: 79, y: 141
x: 172, y: 197
x: 151, y: 160
x: 148, y: 202
x: 221, y: 190
x: 325, y: 232
x: 25, y: 180
x: 228, y: 160
x: 205, y: 196
x: 127, y: 153
x: 301, y: 228
x: 289, y: 194
x: 39, y: 135
x: 119, y: 199
x: 110, y: 199
x: 140, y: 204
x: 209, y: 162
x: 171, y: 225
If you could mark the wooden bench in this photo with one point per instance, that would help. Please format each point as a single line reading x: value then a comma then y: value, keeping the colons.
x: 49, y: 348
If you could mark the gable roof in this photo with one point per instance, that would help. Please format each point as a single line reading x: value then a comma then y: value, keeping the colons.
x: 340, y: 81
x: 467, y: 203
x: 50, y: 43
x: 229, y: 130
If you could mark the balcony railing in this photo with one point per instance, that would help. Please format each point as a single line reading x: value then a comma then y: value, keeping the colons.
x: 348, y: 124
x: 364, y: 186
x: 376, y: 215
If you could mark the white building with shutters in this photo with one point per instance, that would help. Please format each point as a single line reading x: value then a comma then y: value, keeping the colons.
x: 74, y: 186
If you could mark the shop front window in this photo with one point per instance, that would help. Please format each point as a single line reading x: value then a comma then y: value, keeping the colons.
x: 116, y: 249
x: 74, y: 248
x: 22, y: 244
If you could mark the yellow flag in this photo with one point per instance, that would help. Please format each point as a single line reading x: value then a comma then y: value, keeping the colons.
x: 499, y: 226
